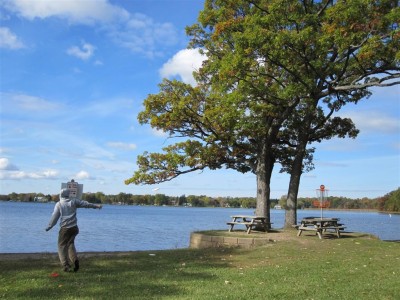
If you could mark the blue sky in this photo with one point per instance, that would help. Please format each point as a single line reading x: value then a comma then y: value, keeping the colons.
x: 72, y: 80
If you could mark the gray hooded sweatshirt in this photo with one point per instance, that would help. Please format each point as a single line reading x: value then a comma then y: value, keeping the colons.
x: 65, y: 210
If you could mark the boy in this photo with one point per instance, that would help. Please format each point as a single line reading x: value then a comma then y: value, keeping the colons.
x: 65, y: 210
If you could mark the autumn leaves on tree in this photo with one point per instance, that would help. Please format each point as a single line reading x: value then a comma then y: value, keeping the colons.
x: 275, y: 74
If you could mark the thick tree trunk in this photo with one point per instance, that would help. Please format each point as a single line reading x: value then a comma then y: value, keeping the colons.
x: 291, y: 202
x: 263, y: 196
x: 294, y: 183
x: 265, y: 166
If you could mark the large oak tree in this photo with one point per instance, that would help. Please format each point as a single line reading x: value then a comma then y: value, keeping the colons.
x: 272, y: 67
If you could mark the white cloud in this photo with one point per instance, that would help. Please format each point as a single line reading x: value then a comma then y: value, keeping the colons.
x: 75, y: 11
x: 137, y: 32
x: 84, y: 53
x: 49, y: 173
x: 183, y: 64
x: 82, y: 175
x: 17, y: 175
x: 6, y: 165
x: 9, y: 40
x: 122, y: 146
x: 12, y: 175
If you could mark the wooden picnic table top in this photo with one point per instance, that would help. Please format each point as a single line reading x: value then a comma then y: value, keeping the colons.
x: 248, y: 217
x: 320, y: 225
x: 251, y: 222
x: 319, y: 220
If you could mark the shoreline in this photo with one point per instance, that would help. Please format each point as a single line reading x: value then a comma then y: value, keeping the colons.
x: 271, y: 208
x: 46, y: 255
x: 54, y: 255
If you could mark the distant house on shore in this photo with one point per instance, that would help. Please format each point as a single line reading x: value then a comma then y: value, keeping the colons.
x: 40, y: 199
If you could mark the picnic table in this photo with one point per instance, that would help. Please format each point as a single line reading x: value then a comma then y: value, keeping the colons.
x: 250, y: 222
x: 320, y: 226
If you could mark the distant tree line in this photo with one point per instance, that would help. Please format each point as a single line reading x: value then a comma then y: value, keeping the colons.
x: 130, y: 199
x: 389, y: 202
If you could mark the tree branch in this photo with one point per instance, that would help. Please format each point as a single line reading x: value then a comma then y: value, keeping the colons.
x: 378, y: 83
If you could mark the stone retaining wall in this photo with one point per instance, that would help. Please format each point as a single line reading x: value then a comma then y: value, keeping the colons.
x: 200, y: 240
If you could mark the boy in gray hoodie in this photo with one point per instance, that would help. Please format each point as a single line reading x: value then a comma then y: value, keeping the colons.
x: 65, y: 210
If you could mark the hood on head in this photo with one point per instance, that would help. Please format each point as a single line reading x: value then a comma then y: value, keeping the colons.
x: 64, y: 193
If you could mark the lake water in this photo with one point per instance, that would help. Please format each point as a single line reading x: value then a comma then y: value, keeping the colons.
x: 130, y: 228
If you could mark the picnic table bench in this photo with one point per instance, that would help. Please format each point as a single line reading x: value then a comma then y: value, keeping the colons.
x: 250, y: 222
x: 320, y: 226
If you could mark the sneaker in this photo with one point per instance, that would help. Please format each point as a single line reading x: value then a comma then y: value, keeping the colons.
x: 76, y: 268
x: 66, y: 268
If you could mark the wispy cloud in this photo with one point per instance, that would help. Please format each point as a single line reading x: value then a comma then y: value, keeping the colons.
x: 84, y: 52
x: 107, y: 107
x: 9, y: 40
x: 17, y: 175
x: 109, y: 166
x: 74, y: 11
x: 142, y: 34
x: 137, y: 32
x: 334, y: 164
x: 26, y: 103
x: 159, y: 133
x: 375, y: 121
x: 122, y: 146
x: 3, y: 150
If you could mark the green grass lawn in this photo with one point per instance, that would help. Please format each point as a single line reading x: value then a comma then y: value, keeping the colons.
x: 352, y: 267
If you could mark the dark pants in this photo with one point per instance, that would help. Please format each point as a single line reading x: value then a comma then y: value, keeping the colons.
x: 66, y: 246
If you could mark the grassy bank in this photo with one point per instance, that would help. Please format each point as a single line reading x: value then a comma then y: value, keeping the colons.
x: 352, y: 267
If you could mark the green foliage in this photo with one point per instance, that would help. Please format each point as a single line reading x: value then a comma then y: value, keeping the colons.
x: 276, y: 72
x: 354, y: 267
x: 390, y: 202
x: 26, y: 197
x: 341, y: 203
